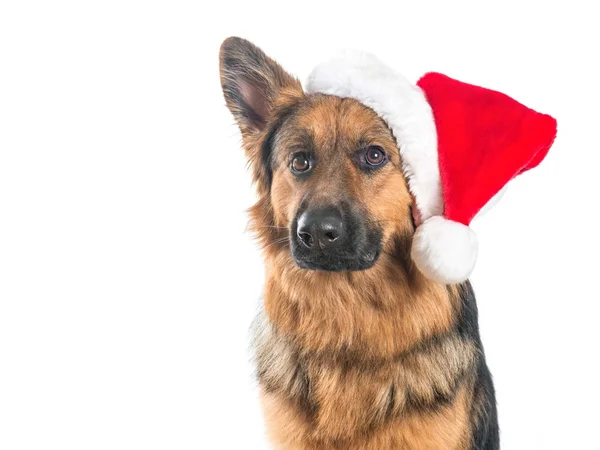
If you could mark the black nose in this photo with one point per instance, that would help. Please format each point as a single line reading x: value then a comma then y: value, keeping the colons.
x: 321, y: 228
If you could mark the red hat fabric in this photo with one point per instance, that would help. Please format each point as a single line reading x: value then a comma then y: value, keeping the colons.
x: 485, y: 139
x: 460, y: 145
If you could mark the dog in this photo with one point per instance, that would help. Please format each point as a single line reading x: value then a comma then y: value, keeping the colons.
x: 354, y: 347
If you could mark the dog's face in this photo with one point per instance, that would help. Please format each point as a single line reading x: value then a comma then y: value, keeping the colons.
x: 335, y: 180
x: 332, y: 193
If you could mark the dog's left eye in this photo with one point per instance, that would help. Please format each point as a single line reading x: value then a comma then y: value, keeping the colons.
x: 300, y: 163
x: 375, y: 156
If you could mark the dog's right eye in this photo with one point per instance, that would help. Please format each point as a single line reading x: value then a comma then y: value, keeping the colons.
x: 300, y: 163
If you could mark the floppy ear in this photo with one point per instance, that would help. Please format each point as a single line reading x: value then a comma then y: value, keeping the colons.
x: 251, y: 82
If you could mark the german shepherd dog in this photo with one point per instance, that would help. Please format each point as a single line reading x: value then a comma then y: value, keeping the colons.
x: 355, y: 348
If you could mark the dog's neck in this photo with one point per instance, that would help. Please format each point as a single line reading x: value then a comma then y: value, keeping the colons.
x: 372, y: 314
x: 374, y: 337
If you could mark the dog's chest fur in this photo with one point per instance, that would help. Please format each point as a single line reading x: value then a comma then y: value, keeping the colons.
x: 330, y: 400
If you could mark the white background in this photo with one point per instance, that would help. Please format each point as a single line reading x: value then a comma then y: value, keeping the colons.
x: 127, y: 281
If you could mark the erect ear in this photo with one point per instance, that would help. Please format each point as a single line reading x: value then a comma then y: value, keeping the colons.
x: 251, y: 82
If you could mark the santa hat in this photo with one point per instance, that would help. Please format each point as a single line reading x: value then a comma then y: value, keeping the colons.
x: 460, y: 145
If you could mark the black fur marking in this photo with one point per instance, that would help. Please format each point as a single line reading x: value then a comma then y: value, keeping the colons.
x: 304, y: 397
x: 484, y: 415
x: 266, y: 151
x: 419, y: 404
x: 391, y: 402
x: 467, y: 323
x: 486, y: 434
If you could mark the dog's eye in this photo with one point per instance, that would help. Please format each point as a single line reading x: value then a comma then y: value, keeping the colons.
x: 374, y: 156
x: 300, y: 163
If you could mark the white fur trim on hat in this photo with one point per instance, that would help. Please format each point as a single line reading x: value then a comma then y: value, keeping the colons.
x: 402, y: 105
x: 444, y: 251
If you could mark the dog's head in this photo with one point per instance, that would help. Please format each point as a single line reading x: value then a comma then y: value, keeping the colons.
x: 332, y: 194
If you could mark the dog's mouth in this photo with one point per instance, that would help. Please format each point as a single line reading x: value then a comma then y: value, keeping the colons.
x: 334, y: 263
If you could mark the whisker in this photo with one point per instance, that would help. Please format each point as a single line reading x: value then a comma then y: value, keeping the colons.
x: 277, y: 241
x: 380, y: 221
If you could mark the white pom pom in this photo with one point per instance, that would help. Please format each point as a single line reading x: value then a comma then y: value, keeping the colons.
x: 444, y: 251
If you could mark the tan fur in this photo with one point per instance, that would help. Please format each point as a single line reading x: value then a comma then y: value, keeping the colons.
x: 445, y: 429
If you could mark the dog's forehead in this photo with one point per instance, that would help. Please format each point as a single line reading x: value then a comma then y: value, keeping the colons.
x: 331, y: 125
